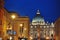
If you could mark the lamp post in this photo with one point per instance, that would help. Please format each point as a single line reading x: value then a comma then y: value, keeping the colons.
x: 13, y: 17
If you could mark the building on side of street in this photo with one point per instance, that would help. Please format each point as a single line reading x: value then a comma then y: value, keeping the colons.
x: 57, y: 29
x: 21, y: 27
x: 13, y: 26
x: 2, y: 19
x: 12, y: 30
x: 8, y: 24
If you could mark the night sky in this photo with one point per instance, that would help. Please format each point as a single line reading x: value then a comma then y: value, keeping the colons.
x: 49, y: 9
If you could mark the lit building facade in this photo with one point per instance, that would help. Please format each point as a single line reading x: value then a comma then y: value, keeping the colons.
x: 22, y: 28
x: 40, y: 30
x: 57, y: 29
x: 8, y: 25
x: 17, y: 27
x: 2, y: 19
x: 13, y: 26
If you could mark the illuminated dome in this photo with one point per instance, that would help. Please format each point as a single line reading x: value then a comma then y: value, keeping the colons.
x: 38, y: 18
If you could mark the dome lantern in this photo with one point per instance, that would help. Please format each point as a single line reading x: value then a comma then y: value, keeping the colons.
x: 38, y: 12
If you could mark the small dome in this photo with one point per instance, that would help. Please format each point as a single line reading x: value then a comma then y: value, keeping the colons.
x: 38, y: 17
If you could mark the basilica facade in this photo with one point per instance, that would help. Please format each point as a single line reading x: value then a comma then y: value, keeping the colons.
x: 41, y: 30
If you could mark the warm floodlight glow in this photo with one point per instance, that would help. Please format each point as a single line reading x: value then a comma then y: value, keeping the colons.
x: 13, y: 16
x: 31, y: 38
x: 25, y: 29
x: 47, y: 37
x: 21, y: 25
x: 10, y: 38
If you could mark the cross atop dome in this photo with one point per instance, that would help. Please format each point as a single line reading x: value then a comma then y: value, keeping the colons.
x: 38, y: 12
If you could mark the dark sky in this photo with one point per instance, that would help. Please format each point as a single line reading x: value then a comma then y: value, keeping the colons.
x: 49, y: 9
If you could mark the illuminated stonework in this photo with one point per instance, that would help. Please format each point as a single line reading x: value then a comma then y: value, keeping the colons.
x: 40, y: 29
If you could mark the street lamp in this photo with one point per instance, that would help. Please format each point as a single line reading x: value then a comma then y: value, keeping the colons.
x: 47, y: 38
x: 10, y: 38
x: 13, y: 16
x: 21, y: 25
x: 31, y: 37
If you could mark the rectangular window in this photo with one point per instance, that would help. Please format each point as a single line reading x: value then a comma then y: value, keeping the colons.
x: 21, y: 27
x: 9, y: 32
